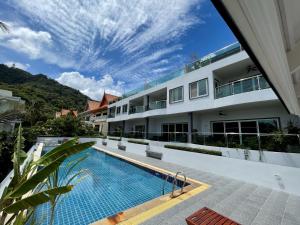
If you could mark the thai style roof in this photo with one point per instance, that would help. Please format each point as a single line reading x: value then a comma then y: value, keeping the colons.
x: 93, y: 106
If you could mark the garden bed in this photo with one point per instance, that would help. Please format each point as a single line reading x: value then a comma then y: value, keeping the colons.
x: 114, y: 139
x: 138, y: 142
x: 196, y: 150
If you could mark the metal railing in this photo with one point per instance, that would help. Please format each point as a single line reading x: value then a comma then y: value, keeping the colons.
x: 248, y: 84
x: 278, y: 142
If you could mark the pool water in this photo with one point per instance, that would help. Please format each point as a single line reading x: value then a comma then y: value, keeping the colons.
x: 112, y: 185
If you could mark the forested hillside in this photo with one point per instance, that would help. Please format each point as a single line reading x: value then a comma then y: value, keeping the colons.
x: 46, y: 93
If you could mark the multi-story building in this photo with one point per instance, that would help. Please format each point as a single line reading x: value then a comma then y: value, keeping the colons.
x: 219, y: 95
x: 10, y: 109
x: 95, y: 112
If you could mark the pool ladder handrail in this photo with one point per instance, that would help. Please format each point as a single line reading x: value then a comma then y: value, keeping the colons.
x: 164, y: 184
x: 175, y: 184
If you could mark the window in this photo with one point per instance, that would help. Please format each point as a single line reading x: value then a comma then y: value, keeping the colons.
x: 124, y: 108
x: 232, y: 127
x: 176, y: 94
x: 175, y: 132
x: 246, y: 126
x: 199, y: 88
x: 118, y: 109
x: 268, y: 125
x: 218, y: 127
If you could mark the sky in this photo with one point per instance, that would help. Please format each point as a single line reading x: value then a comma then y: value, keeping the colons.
x: 108, y: 45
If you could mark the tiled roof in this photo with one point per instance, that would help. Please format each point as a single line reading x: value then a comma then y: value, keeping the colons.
x: 92, y: 105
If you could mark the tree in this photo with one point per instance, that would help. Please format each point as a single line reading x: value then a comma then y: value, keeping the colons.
x: 24, y: 192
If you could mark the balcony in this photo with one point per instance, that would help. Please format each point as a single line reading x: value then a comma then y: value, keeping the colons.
x: 99, y: 118
x: 204, y: 61
x: 136, y: 109
x: 254, y: 83
x: 157, y: 105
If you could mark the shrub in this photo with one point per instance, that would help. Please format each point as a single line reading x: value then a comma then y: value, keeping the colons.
x: 114, y: 139
x: 138, y: 142
x: 196, y: 150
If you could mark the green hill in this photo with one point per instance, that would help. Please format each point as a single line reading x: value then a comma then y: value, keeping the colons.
x: 46, y: 92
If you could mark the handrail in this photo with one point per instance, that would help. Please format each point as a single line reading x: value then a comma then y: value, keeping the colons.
x: 239, y: 80
x: 175, y: 182
x: 164, y: 184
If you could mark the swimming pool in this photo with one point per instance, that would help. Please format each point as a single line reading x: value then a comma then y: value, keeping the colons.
x: 112, y: 185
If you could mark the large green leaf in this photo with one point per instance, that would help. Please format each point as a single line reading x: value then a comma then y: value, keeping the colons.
x: 67, y: 151
x: 33, y: 181
x: 67, y: 144
x: 36, y: 199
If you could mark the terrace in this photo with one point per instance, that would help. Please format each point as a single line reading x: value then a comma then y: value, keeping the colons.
x: 207, y: 60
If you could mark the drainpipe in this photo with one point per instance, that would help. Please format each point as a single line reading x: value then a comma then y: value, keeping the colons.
x: 190, y: 127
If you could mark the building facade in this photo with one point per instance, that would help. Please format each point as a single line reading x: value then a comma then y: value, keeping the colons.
x: 219, y: 97
x: 95, y: 113
x: 10, y: 109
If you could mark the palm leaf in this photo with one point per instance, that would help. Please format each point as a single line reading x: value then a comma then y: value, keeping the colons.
x: 67, y: 144
x: 36, y: 199
x: 3, y: 27
x: 33, y: 181
x: 68, y: 151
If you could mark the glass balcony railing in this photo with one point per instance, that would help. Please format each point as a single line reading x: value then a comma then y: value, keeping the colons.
x: 136, y: 109
x: 97, y: 118
x: 211, y: 58
x: 254, y: 83
x: 111, y: 115
x: 214, y: 57
x: 157, y: 105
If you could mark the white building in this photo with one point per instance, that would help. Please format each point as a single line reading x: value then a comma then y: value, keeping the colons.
x: 11, y: 108
x: 220, y: 100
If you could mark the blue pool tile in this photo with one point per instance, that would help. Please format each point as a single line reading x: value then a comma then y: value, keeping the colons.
x: 112, y: 185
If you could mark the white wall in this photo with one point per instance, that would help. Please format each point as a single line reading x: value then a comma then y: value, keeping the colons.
x: 198, y: 104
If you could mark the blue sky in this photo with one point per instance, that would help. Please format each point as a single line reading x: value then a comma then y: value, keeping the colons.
x: 97, y: 45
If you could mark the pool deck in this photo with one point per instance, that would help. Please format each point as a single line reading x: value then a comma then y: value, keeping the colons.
x: 243, y: 202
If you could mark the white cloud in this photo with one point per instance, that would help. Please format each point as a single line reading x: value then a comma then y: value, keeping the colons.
x: 92, y: 29
x: 34, y: 44
x: 17, y: 65
x: 25, y: 40
x: 130, y: 40
x: 90, y: 86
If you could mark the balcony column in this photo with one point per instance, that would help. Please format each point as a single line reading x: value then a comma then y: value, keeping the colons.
x: 147, y: 128
x: 123, y: 128
x: 190, y: 126
x: 146, y: 102
x: 108, y: 128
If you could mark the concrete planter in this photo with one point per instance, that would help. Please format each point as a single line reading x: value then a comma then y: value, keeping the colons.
x: 122, y: 147
x: 153, y: 154
x: 104, y: 143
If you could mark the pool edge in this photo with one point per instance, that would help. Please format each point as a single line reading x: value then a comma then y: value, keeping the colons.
x: 158, y: 208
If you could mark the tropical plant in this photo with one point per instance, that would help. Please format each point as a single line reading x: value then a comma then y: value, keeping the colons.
x: 23, y: 194
x: 63, y: 176
x: 3, y: 27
